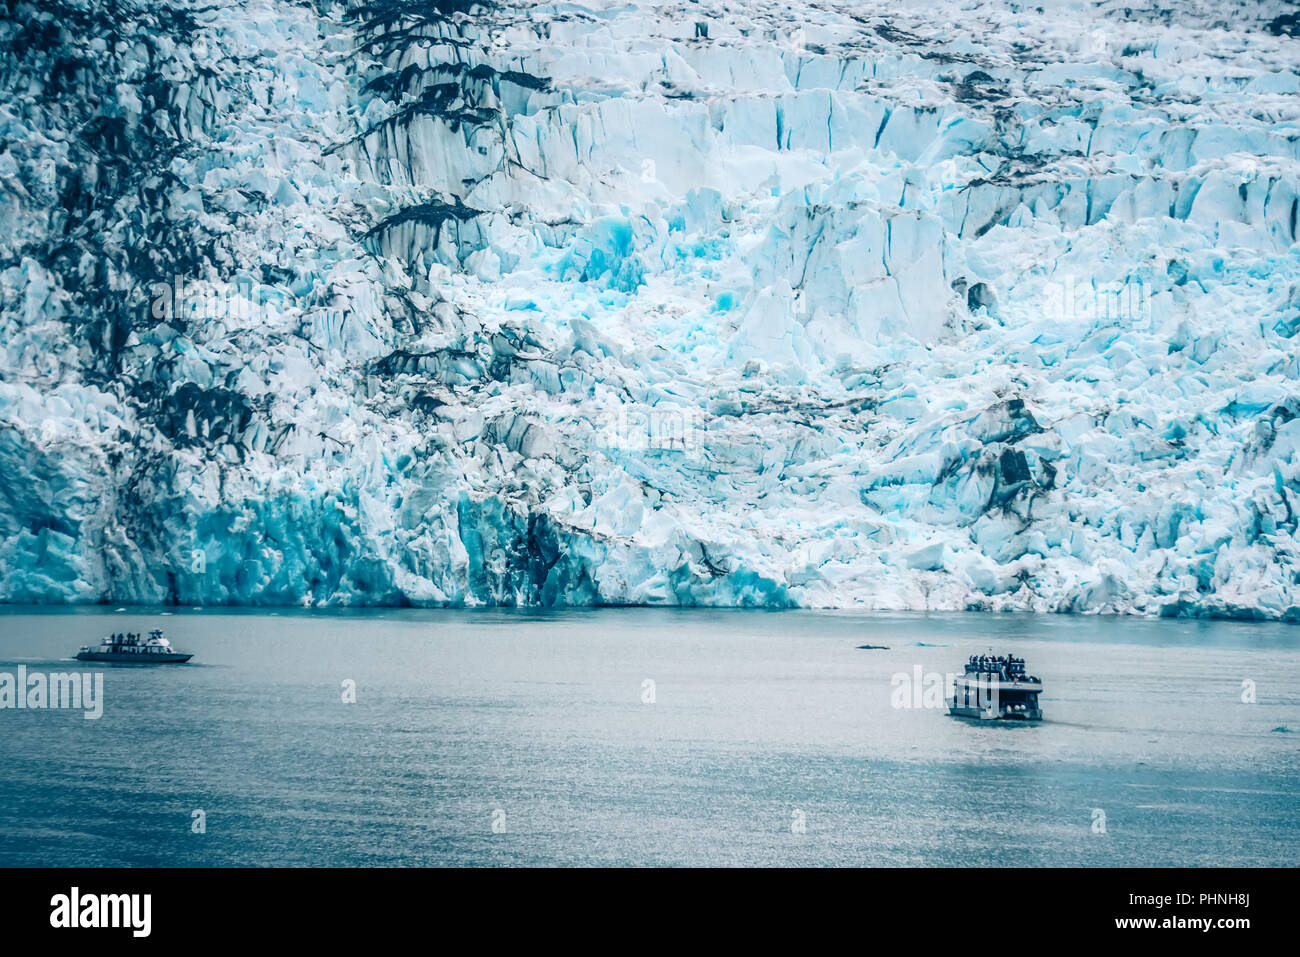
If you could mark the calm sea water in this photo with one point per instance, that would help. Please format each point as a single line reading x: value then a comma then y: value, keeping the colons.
x: 485, y: 737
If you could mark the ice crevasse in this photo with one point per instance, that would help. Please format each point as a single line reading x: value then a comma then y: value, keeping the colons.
x: 919, y: 306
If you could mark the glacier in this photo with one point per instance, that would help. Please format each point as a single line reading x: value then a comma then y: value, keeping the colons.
x: 956, y: 305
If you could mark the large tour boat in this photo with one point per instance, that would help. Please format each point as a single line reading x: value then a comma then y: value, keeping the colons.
x: 135, y: 649
x: 995, y: 688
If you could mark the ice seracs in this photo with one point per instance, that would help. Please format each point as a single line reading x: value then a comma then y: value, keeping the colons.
x: 949, y: 306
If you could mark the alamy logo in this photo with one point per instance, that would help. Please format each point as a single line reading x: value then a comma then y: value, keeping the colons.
x: 57, y: 690
x: 1072, y: 298
x: 193, y: 300
x: 934, y: 689
x: 638, y: 430
x: 102, y: 910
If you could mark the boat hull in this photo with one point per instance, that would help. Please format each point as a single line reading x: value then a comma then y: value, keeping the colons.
x: 1003, y: 714
x: 118, y: 658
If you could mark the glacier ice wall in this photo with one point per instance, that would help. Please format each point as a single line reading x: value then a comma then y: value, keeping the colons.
x: 946, y: 305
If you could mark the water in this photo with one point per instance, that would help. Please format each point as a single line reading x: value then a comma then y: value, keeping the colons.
x: 760, y: 720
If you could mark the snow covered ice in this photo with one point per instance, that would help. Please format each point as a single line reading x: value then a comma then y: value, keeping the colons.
x: 946, y: 305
